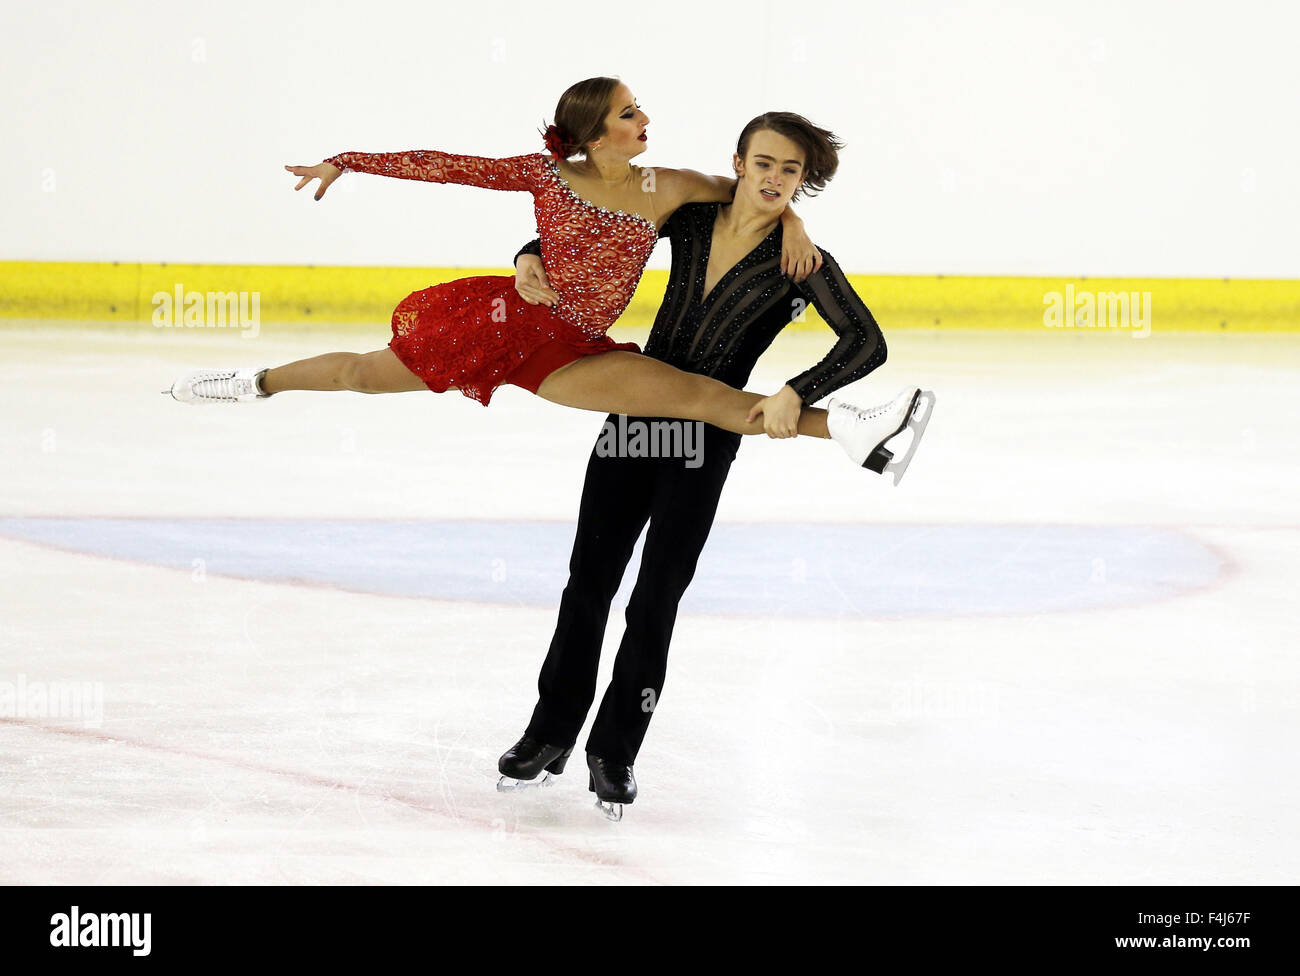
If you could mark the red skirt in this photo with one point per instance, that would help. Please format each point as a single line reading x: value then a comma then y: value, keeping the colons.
x: 475, y: 334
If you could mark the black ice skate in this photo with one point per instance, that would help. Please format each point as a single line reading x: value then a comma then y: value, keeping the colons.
x: 613, y: 784
x: 524, y: 761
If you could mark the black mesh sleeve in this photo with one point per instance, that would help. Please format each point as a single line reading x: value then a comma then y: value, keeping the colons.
x: 860, y: 346
x: 532, y: 247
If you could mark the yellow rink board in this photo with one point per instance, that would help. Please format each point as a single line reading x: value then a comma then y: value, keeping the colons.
x: 108, y: 292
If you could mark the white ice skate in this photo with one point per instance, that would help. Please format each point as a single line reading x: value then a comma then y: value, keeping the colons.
x: 218, y: 386
x: 863, y: 432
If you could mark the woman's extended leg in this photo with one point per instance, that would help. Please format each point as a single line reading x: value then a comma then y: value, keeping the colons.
x: 629, y: 383
x: 362, y: 372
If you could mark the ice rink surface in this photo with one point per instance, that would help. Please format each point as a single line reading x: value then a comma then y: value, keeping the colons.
x: 286, y: 642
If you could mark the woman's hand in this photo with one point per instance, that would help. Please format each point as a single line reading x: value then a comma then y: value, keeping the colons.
x: 780, y: 413
x: 799, y: 257
x: 531, y: 281
x: 327, y: 173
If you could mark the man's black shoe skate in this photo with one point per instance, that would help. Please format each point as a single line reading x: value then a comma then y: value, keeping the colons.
x: 613, y: 784
x: 524, y: 761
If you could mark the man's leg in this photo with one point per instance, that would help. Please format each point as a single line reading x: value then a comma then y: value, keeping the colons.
x: 681, y: 516
x: 615, y: 505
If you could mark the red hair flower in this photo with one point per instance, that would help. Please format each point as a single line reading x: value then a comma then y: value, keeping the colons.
x: 556, y: 141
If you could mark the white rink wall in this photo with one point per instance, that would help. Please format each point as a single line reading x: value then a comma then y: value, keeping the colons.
x: 1113, y: 138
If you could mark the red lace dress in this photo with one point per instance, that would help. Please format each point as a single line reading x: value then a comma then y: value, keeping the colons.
x: 473, y: 333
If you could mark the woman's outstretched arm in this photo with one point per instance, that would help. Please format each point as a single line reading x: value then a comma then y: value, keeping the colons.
x: 429, y: 165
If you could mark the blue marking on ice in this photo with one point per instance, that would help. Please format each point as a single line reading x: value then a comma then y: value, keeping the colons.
x: 752, y: 569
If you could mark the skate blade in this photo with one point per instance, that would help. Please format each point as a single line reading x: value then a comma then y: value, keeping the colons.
x: 917, y: 420
x: 610, y: 810
x: 507, y: 785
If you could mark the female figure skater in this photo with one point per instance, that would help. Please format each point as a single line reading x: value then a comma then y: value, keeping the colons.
x: 598, y: 223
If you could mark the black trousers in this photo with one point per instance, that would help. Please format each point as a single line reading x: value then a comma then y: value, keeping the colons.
x: 619, y: 496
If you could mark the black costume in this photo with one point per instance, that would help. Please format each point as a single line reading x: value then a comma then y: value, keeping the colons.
x: 721, y: 335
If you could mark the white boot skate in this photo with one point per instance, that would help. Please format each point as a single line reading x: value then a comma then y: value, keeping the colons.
x: 218, y: 386
x: 862, y: 432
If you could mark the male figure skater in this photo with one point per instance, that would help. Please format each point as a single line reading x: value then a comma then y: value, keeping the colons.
x: 727, y: 299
